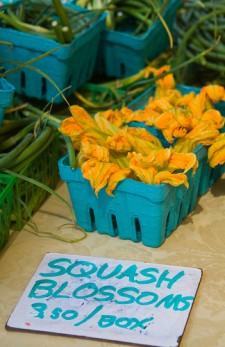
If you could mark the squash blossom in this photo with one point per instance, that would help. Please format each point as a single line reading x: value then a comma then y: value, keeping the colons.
x: 109, y: 150
x: 216, y: 152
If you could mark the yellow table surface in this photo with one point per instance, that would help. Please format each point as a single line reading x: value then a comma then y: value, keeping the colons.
x: 198, y: 242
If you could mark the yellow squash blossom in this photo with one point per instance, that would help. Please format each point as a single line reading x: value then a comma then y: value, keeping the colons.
x: 147, y: 116
x: 164, y: 83
x: 98, y: 173
x: 159, y: 104
x: 203, y: 133
x: 215, y: 92
x: 185, y: 145
x: 184, y: 100
x: 90, y: 150
x: 94, y: 136
x: 216, y: 152
x: 197, y: 105
x: 182, y: 161
x: 71, y: 129
x: 105, y: 125
x: 144, y: 173
x: 119, y: 142
x: 148, y: 172
x: 81, y: 117
x: 170, y: 126
x: 116, y: 117
x: 159, y: 158
x: 214, y: 117
x: 130, y: 115
x: 174, y: 179
x: 141, y: 145
x: 144, y: 134
x: 115, y: 178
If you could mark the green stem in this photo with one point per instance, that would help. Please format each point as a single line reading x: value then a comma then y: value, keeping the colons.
x: 8, y: 160
x: 30, y: 153
x: 182, y: 46
x: 58, y: 31
x: 213, y: 66
x: 21, y: 26
x: 39, y: 184
x: 60, y: 10
x: 13, y: 140
x: 13, y: 125
x: 53, y: 121
x: 71, y: 152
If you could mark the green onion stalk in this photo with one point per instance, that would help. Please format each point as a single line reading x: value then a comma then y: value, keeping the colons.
x: 197, y: 27
x: 54, y: 122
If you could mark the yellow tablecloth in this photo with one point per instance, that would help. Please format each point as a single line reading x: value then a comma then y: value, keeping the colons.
x: 198, y: 242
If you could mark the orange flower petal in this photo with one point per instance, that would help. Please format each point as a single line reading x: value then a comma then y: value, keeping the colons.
x: 81, y: 117
x: 98, y: 173
x: 171, y: 178
x: 115, y: 116
x: 216, y: 93
x: 216, y: 152
x: 90, y: 150
x: 145, y: 175
x: 115, y: 178
x: 69, y: 127
x: 119, y: 142
x: 184, y: 161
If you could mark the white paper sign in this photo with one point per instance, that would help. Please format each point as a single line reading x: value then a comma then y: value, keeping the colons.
x: 108, y: 299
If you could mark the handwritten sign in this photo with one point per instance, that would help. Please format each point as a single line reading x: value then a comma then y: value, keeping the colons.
x: 108, y: 299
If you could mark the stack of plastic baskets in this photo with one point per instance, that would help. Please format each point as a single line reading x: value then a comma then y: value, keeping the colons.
x: 139, y: 212
x: 69, y: 66
x: 122, y: 54
x: 6, y: 97
x: 6, y: 202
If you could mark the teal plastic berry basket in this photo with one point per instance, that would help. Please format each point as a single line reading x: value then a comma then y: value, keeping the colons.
x: 69, y: 66
x: 122, y: 54
x: 209, y: 175
x: 139, y: 212
x: 6, y: 201
x: 6, y: 97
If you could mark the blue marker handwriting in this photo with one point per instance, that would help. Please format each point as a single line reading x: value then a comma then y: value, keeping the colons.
x: 105, y: 321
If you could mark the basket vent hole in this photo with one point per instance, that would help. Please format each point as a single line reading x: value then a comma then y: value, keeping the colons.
x: 137, y: 228
x: 43, y: 86
x: 114, y: 225
x: 168, y: 224
x: 92, y: 217
x: 122, y: 69
x: 23, y: 80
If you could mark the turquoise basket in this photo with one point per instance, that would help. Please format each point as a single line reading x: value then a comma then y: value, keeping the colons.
x: 139, y: 212
x: 122, y: 54
x: 6, y: 97
x: 69, y: 66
